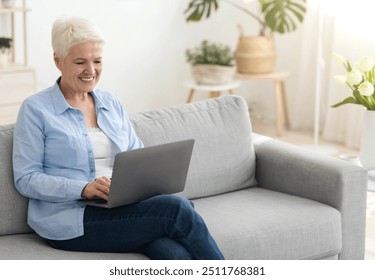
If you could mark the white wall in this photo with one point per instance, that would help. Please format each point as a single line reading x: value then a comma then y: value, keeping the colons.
x: 145, y: 49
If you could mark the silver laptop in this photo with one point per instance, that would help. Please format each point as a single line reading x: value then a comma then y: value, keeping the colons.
x: 146, y: 172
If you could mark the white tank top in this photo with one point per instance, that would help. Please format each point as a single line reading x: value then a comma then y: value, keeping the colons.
x: 103, y: 152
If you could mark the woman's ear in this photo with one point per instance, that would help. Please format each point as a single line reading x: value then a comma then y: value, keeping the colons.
x: 57, y: 60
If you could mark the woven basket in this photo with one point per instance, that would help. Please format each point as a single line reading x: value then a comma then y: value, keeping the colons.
x: 209, y: 74
x: 255, y: 54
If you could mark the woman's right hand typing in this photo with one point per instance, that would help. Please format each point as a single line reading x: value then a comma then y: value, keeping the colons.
x: 97, y: 188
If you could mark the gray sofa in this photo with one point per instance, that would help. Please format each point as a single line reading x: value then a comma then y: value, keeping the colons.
x: 261, y: 199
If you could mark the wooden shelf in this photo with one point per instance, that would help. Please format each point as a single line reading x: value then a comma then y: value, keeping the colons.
x: 17, y: 80
x: 13, y: 19
x: 13, y: 10
x: 14, y: 67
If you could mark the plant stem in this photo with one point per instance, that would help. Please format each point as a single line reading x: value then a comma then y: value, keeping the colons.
x: 253, y: 15
x: 371, y: 102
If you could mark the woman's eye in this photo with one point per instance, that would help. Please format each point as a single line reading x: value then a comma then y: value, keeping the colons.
x: 98, y: 61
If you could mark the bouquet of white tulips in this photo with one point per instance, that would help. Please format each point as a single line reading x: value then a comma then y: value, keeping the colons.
x: 361, y: 79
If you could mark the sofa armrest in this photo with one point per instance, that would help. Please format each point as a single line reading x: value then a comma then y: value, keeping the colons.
x: 289, y: 169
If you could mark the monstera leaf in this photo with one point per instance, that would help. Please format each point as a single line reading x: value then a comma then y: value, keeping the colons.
x: 199, y: 8
x: 281, y: 15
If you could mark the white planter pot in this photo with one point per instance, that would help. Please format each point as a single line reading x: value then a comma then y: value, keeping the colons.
x: 7, y: 3
x: 209, y: 74
x: 367, y: 149
x: 3, y: 59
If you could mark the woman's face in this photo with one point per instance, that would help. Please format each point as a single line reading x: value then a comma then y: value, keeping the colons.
x: 81, y: 68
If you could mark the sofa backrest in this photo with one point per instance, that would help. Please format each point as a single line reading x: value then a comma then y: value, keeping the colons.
x: 223, y: 157
x: 13, y: 206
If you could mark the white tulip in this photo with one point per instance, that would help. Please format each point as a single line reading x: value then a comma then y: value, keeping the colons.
x: 341, y: 79
x: 354, y: 77
x: 365, y: 64
x: 366, y: 89
x: 340, y: 59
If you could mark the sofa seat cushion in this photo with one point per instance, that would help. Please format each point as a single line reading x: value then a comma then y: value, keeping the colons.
x: 223, y: 157
x: 257, y: 223
x: 32, y: 247
x: 254, y: 223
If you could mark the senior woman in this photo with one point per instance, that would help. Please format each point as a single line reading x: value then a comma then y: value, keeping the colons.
x: 65, y: 141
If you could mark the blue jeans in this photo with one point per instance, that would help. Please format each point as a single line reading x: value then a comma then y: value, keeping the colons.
x: 161, y: 227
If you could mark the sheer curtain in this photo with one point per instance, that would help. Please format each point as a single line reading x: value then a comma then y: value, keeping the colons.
x: 314, y: 59
x: 354, y: 37
x: 347, y: 29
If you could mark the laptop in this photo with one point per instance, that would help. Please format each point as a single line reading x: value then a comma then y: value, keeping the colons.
x: 143, y: 173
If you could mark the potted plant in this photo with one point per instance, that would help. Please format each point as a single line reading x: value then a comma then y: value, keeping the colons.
x: 212, y: 64
x: 255, y: 54
x: 5, y: 45
x: 360, y: 80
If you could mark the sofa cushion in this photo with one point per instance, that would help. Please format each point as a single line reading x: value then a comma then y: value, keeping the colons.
x: 31, y: 247
x: 284, y: 227
x: 13, y: 206
x: 261, y: 224
x: 223, y: 158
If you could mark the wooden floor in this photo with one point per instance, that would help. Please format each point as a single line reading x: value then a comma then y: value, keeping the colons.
x: 306, y: 139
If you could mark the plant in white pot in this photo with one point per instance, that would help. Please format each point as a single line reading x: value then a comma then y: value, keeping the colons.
x: 212, y: 64
x: 5, y: 45
x: 360, y: 78
x: 255, y: 54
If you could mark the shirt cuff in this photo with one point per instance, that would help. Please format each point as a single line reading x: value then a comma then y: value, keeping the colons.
x: 74, y: 190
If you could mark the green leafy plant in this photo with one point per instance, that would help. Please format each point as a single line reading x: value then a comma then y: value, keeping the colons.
x: 5, y: 43
x: 360, y: 78
x: 210, y: 53
x: 279, y: 16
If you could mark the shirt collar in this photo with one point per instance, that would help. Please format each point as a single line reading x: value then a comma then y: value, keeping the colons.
x: 61, y: 105
x: 58, y: 99
x: 99, y: 104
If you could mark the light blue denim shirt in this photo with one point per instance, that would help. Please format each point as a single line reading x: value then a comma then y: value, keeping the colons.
x: 53, y: 157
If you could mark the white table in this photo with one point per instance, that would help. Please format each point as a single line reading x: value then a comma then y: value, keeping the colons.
x: 214, y: 90
x: 281, y: 108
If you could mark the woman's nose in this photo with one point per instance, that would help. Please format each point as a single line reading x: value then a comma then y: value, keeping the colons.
x: 90, y: 69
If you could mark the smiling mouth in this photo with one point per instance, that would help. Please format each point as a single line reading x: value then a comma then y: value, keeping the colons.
x: 86, y: 79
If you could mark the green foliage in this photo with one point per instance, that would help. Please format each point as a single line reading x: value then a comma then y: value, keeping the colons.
x: 361, y: 81
x: 279, y: 15
x: 5, y: 43
x: 200, y: 8
x: 210, y: 53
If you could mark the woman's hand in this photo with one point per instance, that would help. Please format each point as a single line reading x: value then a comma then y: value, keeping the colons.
x: 97, y: 188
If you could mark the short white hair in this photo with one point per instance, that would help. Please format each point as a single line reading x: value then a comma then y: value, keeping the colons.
x: 67, y: 32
